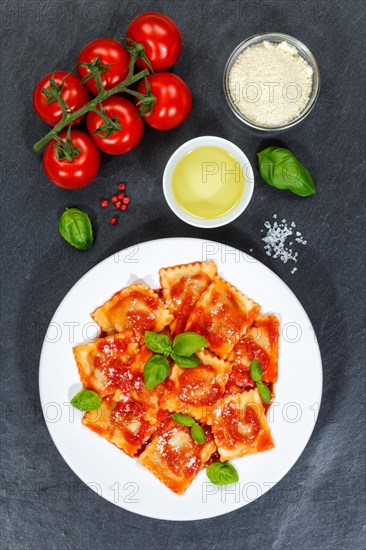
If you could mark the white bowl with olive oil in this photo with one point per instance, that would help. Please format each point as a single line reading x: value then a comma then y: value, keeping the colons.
x: 208, y: 182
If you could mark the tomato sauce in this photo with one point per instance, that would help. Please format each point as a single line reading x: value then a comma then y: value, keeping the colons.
x: 215, y: 457
x: 198, y: 387
x: 246, y: 350
x: 177, y: 448
x: 271, y: 324
x: 239, y: 381
x: 237, y: 426
x: 115, y: 355
x: 129, y: 417
x: 185, y: 294
x: 261, y: 343
x: 141, y: 320
x: 138, y: 309
x: 221, y: 323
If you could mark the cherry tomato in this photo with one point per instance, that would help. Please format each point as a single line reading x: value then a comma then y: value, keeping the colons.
x: 132, y: 127
x: 161, y: 38
x: 173, y: 100
x: 74, y: 93
x: 78, y: 172
x: 109, y: 51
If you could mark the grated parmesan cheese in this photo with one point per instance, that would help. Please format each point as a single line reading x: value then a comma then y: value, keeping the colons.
x: 270, y: 83
x: 275, y: 240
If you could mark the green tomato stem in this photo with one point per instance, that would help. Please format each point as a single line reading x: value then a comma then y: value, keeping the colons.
x: 91, y: 106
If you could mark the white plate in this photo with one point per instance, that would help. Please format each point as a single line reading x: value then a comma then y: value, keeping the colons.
x: 121, y: 479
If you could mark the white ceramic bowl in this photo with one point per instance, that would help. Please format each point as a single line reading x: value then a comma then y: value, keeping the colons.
x: 244, y: 200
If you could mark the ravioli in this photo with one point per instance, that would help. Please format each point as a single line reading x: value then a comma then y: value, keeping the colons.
x: 260, y: 343
x: 104, y: 364
x: 195, y: 391
x: 222, y: 315
x: 182, y: 286
x: 125, y: 423
x: 136, y: 389
x: 174, y: 457
x: 136, y: 306
x: 219, y: 393
x: 239, y: 425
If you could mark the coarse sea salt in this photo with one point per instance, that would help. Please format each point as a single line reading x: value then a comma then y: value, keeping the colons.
x: 275, y: 240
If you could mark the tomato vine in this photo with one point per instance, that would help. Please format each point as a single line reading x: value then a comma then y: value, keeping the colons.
x: 145, y: 101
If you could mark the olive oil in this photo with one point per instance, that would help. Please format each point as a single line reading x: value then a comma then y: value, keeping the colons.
x: 208, y: 182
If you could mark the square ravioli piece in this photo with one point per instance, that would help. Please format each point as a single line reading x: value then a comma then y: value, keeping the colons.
x: 260, y: 343
x: 104, y: 364
x: 182, y: 286
x: 222, y: 315
x: 195, y: 391
x: 136, y: 306
x: 239, y: 426
x: 174, y: 457
x: 125, y: 423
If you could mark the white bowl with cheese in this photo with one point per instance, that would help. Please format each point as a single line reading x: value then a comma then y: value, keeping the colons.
x: 208, y: 182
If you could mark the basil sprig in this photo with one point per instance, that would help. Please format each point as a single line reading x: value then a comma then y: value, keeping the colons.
x: 156, y: 370
x: 188, y: 343
x: 75, y: 227
x: 256, y: 373
x: 185, y: 362
x: 158, y: 343
x: 182, y: 352
x: 197, y: 432
x: 255, y: 370
x: 86, y: 400
x: 264, y: 391
x: 183, y: 419
x: 280, y: 168
x: 222, y: 473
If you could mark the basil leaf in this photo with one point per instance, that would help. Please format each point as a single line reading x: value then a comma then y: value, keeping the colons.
x: 198, y: 433
x: 183, y: 419
x: 158, y: 343
x: 280, y: 168
x: 255, y: 370
x: 76, y: 229
x: 185, y: 362
x: 86, y: 400
x: 222, y: 473
x: 156, y: 370
x: 188, y: 343
x: 264, y: 391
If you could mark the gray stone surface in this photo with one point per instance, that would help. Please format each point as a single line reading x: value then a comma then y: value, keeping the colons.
x: 319, y: 504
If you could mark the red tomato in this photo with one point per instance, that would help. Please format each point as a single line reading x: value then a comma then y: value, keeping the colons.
x: 173, y: 100
x: 121, y: 141
x: 78, y: 172
x: 161, y: 38
x: 109, y: 51
x: 73, y: 92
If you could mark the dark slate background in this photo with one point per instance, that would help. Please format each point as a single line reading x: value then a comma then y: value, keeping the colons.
x: 319, y: 503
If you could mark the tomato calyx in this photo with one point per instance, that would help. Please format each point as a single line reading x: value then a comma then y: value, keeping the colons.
x: 96, y: 68
x: 145, y: 101
x: 53, y: 93
x: 109, y: 125
x: 137, y: 51
x: 64, y: 149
